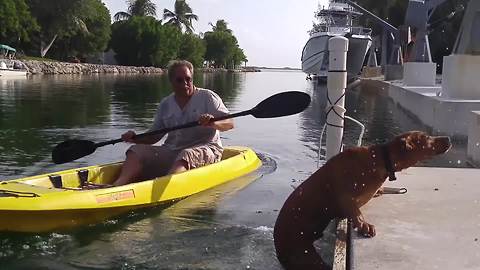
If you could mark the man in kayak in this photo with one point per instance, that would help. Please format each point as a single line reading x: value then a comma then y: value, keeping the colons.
x: 183, y: 149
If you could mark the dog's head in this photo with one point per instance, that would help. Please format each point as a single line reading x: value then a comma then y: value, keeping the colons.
x: 409, y: 148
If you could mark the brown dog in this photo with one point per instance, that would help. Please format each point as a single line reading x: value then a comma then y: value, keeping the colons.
x: 339, y: 188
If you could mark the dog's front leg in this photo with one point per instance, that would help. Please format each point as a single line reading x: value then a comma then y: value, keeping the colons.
x: 363, y: 228
x: 351, y: 210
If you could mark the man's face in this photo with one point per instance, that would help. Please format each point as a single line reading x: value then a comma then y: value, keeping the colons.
x: 182, y: 81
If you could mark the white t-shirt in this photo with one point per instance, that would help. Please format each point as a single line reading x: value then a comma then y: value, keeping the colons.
x: 169, y: 114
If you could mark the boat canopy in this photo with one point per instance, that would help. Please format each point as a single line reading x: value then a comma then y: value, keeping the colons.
x: 8, y: 48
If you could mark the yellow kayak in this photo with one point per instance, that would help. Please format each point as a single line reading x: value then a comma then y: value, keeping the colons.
x: 74, y: 197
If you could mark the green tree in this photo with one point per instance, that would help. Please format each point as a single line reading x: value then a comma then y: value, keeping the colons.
x: 137, y: 8
x: 193, y: 49
x: 96, y: 17
x: 57, y: 19
x: 181, y: 17
x: 442, y: 37
x: 220, y: 26
x: 149, y: 42
x: 239, y: 57
x: 16, y: 22
x: 392, y: 11
x: 444, y: 34
x: 222, y: 46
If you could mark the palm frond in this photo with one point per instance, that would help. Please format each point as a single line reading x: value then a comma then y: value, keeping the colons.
x: 182, y: 16
x: 142, y: 8
x: 120, y: 16
x: 181, y: 7
x: 175, y: 22
x: 80, y: 24
x: 191, y: 16
x: 168, y: 14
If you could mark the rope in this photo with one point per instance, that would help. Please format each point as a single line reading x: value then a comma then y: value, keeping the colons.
x: 332, y: 108
x: 17, y: 194
x: 362, y: 126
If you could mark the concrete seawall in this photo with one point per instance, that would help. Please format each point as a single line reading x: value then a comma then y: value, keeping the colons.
x: 458, y: 118
x: 49, y: 67
x: 444, y: 115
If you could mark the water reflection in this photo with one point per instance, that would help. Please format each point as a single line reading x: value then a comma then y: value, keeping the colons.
x: 226, y: 85
x: 38, y: 112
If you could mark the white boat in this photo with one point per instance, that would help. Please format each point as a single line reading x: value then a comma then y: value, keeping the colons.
x: 6, y: 72
x: 337, y: 20
x: 8, y: 66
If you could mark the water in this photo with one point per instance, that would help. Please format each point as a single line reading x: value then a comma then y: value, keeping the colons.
x: 229, y: 227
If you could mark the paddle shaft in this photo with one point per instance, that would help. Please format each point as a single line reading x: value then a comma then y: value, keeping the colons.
x: 165, y: 130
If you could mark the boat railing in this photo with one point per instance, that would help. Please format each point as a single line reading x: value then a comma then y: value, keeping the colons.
x: 358, y: 30
x: 354, y: 30
x: 11, y: 64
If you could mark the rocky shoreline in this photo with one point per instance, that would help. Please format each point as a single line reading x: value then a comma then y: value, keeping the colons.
x: 50, y: 67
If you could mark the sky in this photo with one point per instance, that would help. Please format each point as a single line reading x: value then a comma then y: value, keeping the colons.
x: 271, y: 32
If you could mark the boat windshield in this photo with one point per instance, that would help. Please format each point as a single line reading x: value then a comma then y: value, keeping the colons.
x: 339, y: 20
x: 334, y: 18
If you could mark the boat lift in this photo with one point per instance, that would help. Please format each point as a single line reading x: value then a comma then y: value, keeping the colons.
x: 412, y: 36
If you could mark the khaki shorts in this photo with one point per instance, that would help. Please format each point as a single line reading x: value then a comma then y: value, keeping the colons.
x: 158, y: 160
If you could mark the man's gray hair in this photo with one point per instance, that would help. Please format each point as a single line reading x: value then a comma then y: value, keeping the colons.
x: 174, y: 64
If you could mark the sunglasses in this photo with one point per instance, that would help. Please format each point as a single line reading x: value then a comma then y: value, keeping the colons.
x: 183, y: 80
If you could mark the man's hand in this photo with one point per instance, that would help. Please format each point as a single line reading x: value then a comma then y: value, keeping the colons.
x: 221, y: 125
x: 204, y: 120
x: 128, y: 136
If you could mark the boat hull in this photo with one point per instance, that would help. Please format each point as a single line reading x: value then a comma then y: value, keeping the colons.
x: 7, y: 73
x: 33, y: 204
x: 315, y: 54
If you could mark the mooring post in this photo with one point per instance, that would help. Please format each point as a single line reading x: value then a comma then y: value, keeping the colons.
x: 336, y: 84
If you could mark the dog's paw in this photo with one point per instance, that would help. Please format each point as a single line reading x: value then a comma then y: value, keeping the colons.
x: 365, y: 229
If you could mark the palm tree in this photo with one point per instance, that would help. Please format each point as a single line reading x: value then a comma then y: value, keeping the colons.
x: 220, y: 26
x: 182, y: 17
x: 137, y: 8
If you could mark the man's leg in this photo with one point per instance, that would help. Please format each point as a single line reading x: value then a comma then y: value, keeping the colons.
x: 131, y: 169
x: 179, y: 166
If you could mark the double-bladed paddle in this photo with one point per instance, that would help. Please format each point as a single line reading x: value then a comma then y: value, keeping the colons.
x: 281, y: 104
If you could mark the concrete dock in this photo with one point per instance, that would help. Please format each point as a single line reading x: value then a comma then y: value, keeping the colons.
x: 457, y: 118
x: 435, y: 225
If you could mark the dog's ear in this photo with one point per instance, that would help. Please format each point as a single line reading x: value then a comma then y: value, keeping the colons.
x: 407, y: 143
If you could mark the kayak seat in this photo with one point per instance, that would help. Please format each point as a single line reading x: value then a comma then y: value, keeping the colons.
x: 83, y: 177
x: 56, y: 180
x: 85, y: 184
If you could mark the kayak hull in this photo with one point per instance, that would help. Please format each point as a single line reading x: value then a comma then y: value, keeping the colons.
x: 59, y: 200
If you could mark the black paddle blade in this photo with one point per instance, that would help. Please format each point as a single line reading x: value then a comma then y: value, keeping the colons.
x: 72, y: 149
x: 282, y: 104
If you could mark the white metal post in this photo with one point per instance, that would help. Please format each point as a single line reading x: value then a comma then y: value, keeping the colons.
x: 336, y: 84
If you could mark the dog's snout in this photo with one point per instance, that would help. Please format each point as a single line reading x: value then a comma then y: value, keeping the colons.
x: 444, y: 140
x: 444, y: 143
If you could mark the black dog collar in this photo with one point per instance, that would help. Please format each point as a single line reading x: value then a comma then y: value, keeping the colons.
x: 388, y: 163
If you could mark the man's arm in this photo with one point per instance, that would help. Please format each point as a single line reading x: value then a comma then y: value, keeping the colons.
x: 152, y: 139
x: 222, y: 125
